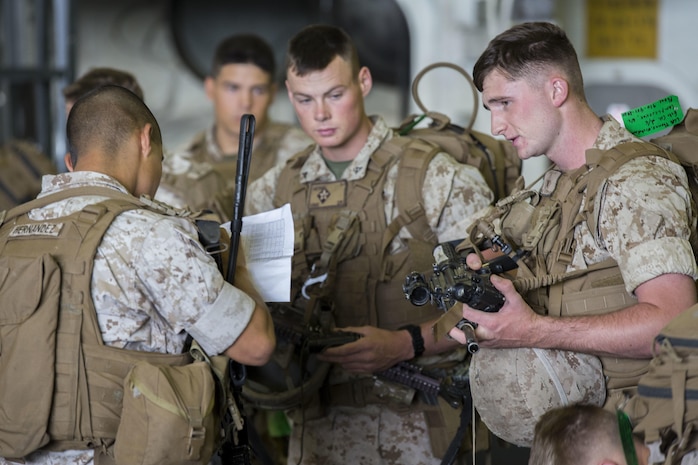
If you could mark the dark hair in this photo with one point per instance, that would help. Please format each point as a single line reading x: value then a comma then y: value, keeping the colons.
x: 315, y: 46
x: 244, y: 48
x: 98, y: 77
x: 527, y: 49
x: 105, y: 118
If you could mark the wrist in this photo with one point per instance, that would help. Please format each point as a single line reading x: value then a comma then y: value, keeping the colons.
x: 415, y: 333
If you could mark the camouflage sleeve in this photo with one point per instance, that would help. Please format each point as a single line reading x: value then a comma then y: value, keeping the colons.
x: 645, y: 220
x: 260, y: 194
x: 294, y: 141
x: 454, y: 195
x: 189, y: 292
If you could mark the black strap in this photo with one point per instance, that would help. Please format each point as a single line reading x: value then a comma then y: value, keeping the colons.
x: 452, y: 452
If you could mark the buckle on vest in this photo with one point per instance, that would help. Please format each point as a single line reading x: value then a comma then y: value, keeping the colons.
x: 564, y: 254
x: 197, y: 437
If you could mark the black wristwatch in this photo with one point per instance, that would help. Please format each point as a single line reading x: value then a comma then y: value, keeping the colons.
x: 417, y: 339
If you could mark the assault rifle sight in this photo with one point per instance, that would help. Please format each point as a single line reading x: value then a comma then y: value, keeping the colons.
x: 451, y: 281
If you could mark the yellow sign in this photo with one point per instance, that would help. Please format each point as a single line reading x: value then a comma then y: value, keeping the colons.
x: 622, y: 28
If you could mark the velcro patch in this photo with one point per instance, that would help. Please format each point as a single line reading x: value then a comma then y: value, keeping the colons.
x: 328, y: 194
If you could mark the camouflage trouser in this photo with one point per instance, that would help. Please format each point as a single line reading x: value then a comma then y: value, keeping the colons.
x: 370, y: 435
x: 69, y: 457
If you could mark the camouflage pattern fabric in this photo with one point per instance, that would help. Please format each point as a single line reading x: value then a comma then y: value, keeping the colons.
x: 644, y: 224
x: 151, y: 281
x: 533, y: 382
x: 202, y: 177
x: 374, y: 434
x: 645, y: 217
x: 453, y: 196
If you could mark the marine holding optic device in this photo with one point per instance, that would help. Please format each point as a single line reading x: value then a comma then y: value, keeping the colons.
x: 452, y: 281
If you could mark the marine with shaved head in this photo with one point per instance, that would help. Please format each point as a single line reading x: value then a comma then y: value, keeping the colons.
x: 152, y: 282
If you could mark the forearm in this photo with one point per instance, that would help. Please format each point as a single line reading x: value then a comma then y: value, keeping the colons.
x: 256, y: 343
x: 432, y: 346
x: 626, y: 333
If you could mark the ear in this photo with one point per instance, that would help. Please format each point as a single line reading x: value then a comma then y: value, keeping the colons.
x: 68, y: 162
x: 144, y: 140
x: 209, y: 87
x: 365, y: 80
x: 560, y: 91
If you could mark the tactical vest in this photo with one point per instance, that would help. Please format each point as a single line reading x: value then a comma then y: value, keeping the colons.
x: 546, y: 226
x: 201, y: 188
x: 341, y: 230
x: 350, y: 215
x: 264, y: 151
x: 86, y: 397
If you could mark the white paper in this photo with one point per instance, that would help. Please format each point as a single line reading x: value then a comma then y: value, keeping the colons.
x: 266, y: 239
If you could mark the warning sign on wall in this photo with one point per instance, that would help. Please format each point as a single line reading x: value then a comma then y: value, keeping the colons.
x: 622, y: 28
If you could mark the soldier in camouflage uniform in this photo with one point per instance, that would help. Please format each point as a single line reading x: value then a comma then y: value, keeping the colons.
x: 152, y: 281
x: 242, y: 81
x: 327, y: 87
x: 531, y: 82
x: 22, y: 163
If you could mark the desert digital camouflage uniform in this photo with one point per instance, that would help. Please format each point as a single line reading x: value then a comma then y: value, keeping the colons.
x: 195, y: 186
x: 201, y: 171
x: 645, y: 221
x: 453, y: 194
x: 151, y: 282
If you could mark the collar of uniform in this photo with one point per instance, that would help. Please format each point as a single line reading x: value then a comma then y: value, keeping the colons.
x: 315, y: 168
x: 56, y: 183
x: 612, y: 134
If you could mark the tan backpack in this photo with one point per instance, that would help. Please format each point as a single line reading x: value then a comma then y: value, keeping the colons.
x: 496, y: 159
x: 666, y: 406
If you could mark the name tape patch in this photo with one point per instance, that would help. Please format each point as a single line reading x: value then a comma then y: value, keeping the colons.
x: 36, y: 229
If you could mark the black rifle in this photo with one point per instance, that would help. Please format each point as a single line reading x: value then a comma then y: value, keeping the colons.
x: 314, y: 339
x: 236, y: 450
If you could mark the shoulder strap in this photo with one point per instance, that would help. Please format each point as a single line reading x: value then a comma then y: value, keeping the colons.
x: 66, y: 194
x: 604, y: 164
x: 415, y: 156
x: 289, y: 184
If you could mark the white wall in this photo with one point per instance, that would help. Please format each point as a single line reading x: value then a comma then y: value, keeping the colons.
x: 135, y: 36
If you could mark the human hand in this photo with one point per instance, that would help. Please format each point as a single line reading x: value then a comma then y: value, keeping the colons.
x: 376, y: 351
x: 512, y: 326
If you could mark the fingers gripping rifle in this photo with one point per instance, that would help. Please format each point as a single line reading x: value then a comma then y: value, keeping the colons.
x: 239, y: 451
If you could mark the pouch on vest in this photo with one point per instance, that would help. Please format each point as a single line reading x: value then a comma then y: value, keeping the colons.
x: 168, y: 416
x: 666, y: 406
x: 29, y: 299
